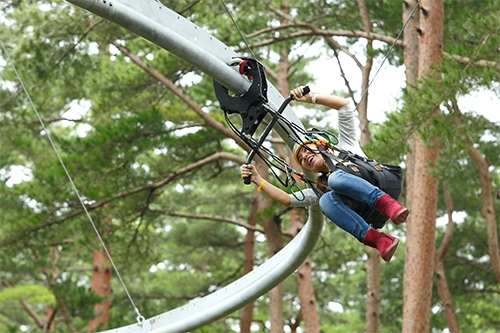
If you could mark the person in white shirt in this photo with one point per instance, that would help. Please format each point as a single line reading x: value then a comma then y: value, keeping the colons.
x: 341, y: 183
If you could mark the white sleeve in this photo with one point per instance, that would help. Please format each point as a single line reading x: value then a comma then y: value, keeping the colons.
x: 347, y: 130
x: 303, y: 198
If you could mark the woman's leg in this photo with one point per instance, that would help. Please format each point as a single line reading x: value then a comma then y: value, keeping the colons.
x: 332, y: 207
x: 359, y: 189
x: 354, y: 187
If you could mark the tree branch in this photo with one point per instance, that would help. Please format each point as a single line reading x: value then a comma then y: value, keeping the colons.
x: 32, y: 313
x: 212, y: 218
x: 328, y: 34
x: 315, y: 31
x: 149, y: 187
x: 467, y: 61
x: 91, y: 27
x: 219, y: 219
x: 209, y: 121
x: 66, y: 316
x: 487, y: 208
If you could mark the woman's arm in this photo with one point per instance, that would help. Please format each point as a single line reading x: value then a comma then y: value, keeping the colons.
x: 263, y: 185
x: 331, y: 101
x: 346, y: 124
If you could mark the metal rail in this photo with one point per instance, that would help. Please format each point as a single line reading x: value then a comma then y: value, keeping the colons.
x: 169, y: 30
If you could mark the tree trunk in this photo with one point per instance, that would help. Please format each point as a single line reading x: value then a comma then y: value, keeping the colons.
x: 410, y: 52
x: 272, y: 229
x: 372, y: 291
x: 308, y: 312
x: 372, y: 315
x: 101, y: 285
x: 305, y: 286
x: 487, y: 209
x: 246, y: 311
x: 442, y: 285
x: 420, y: 245
x: 365, y: 79
x: 275, y: 242
x: 420, y: 248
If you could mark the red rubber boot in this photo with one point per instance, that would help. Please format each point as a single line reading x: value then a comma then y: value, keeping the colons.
x: 391, y: 208
x: 385, y: 244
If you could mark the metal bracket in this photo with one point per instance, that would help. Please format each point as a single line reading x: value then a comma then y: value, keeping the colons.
x: 250, y: 105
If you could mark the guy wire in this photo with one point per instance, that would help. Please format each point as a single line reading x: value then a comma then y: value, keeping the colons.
x: 238, y: 28
x: 379, y: 68
x: 140, y: 318
x: 390, y: 50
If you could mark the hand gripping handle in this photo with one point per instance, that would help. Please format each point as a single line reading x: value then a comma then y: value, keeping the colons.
x: 268, y: 129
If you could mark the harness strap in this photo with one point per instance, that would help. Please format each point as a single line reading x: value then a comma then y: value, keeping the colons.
x: 333, y: 160
x: 345, y: 157
x: 313, y: 187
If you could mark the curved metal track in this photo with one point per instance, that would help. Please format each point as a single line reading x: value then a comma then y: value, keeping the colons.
x: 169, y: 30
x: 234, y: 296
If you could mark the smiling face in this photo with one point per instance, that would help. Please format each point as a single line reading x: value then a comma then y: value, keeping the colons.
x: 311, y: 159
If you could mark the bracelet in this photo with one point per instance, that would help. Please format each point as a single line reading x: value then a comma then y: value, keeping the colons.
x: 313, y: 99
x: 261, y: 185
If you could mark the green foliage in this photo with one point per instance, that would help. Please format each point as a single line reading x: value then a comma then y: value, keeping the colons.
x: 76, y: 297
x: 172, y: 243
x: 470, y: 280
x: 11, y: 297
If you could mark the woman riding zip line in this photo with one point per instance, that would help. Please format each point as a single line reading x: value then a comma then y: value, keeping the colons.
x: 341, y: 183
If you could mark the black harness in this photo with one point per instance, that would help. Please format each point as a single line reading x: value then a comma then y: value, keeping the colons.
x: 388, y: 178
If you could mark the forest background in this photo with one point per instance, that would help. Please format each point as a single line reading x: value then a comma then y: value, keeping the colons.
x: 158, y: 168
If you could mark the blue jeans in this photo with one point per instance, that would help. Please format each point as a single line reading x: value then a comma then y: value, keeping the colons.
x: 338, y: 212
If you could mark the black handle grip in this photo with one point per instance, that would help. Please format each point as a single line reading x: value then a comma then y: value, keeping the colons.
x: 306, y: 91
x: 248, y: 180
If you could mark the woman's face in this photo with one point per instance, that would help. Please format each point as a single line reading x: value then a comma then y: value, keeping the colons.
x: 311, y: 159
